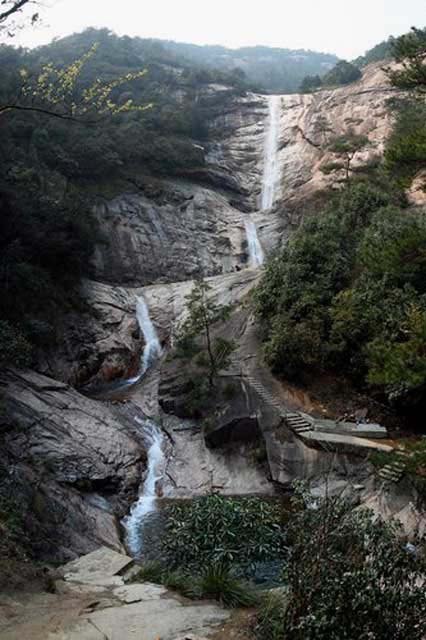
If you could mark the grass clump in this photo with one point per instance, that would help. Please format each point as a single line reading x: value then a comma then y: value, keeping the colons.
x: 216, y: 582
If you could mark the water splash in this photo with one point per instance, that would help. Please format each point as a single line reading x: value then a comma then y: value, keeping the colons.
x: 271, y: 169
x: 146, y: 503
x: 254, y: 246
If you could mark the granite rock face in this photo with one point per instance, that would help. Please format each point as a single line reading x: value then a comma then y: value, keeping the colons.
x: 76, y: 465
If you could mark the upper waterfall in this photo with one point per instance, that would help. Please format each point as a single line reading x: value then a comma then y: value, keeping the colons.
x: 271, y: 168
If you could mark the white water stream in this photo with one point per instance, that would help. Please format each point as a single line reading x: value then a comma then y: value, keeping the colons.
x: 152, y: 348
x: 254, y: 246
x: 153, y: 435
x: 146, y: 503
x: 270, y: 178
x: 271, y: 167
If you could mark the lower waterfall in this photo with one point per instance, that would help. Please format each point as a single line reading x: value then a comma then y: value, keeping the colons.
x: 254, y: 246
x: 146, y: 503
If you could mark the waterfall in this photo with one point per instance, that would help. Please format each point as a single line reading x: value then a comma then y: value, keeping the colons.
x: 146, y: 503
x: 152, y: 348
x: 270, y: 178
x: 254, y: 247
x: 271, y: 169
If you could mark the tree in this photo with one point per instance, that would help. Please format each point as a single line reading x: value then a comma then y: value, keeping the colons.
x: 309, y: 83
x: 10, y: 9
x: 409, y: 51
x: 343, y: 73
x: 203, y: 313
x: 346, y: 147
x: 56, y: 91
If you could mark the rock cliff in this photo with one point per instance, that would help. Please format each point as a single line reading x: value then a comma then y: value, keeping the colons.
x: 73, y: 466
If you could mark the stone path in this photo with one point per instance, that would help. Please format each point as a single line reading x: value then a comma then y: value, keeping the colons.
x: 102, y: 605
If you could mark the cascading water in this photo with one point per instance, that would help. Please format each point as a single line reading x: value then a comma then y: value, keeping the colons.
x: 254, y: 247
x: 152, y: 348
x: 270, y: 178
x: 146, y: 503
x: 271, y: 169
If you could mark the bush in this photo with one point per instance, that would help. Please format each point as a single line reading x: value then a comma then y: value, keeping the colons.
x: 216, y: 530
x: 350, y: 576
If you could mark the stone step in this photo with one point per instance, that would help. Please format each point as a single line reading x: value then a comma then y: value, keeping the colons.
x: 387, y: 473
x: 397, y: 465
x: 302, y: 429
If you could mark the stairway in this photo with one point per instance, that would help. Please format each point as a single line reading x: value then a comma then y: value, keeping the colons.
x: 295, y: 421
x: 393, y: 471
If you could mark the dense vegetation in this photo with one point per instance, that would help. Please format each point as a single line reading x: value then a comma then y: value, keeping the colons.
x: 227, y: 531
x: 348, y: 576
x: 56, y: 160
x: 342, y: 73
x: 347, y: 293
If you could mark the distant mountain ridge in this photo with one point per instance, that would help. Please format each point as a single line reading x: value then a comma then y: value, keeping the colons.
x: 269, y: 69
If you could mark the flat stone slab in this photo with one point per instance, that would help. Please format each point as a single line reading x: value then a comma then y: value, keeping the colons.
x: 99, y: 567
x: 139, y: 592
x: 343, y: 442
x: 360, y: 430
x: 165, y: 619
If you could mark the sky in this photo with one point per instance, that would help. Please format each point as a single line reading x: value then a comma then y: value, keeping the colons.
x: 345, y: 27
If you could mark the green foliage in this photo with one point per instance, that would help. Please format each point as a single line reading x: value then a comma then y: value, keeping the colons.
x: 203, y: 313
x: 218, y: 583
x: 382, y: 51
x: 349, y: 576
x: 270, y: 617
x: 348, y: 294
x: 406, y: 149
x: 400, y: 365
x: 343, y: 73
x: 294, y: 297
x: 345, y: 147
x: 216, y: 530
x: 215, y: 582
x: 409, y: 51
x: 310, y: 83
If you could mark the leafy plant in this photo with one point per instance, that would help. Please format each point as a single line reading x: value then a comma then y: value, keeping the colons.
x: 350, y: 576
x: 217, y: 530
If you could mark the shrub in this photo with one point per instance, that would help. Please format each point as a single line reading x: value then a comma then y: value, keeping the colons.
x: 216, y: 530
x: 350, y: 576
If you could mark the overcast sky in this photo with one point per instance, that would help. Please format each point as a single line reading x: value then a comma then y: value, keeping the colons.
x: 344, y: 27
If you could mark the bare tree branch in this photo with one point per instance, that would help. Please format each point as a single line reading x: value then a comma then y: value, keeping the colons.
x: 16, y: 6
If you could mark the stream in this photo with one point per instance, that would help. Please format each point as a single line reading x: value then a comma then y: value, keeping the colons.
x: 144, y: 518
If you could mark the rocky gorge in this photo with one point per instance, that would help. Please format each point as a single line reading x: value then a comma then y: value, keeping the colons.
x: 79, y: 440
